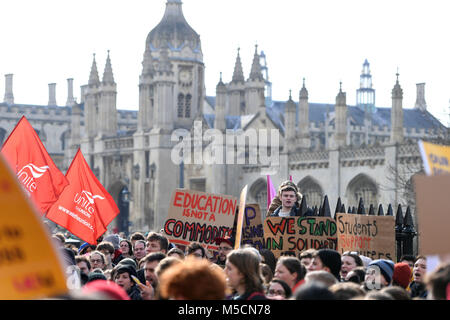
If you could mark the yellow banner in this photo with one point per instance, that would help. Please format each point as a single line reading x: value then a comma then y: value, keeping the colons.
x: 436, y: 158
x: 30, y: 266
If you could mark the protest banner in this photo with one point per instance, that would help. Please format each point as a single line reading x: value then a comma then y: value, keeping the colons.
x: 370, y: 236
x: 433, y: 213
x: 30, y: 265
x: 436, y: 158
x: 201, y: 217
x: 252, y: 229
x: 292, y: 235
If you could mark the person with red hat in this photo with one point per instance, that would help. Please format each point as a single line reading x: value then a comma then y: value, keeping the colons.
x: 225, y: 246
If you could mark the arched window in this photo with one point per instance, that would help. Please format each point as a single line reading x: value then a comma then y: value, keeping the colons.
x: 363, y: 187
x: 258, y: 191
x: 188, y: 106
x: 312, y: 191
x: 180, y: 105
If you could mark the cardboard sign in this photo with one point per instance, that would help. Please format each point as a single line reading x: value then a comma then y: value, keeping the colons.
x: 199, y: 217
x: 252, y: 229
x: 370, y: 236
x: 436, y: 158
x: 433, y: 213
x: 240, y: 218
x: 292, y: 235
x: 30, y: 266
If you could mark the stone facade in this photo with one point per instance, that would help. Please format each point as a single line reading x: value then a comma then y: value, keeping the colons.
x: 337, y: 150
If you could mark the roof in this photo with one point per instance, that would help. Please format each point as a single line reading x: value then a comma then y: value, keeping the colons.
x: 412, y: 118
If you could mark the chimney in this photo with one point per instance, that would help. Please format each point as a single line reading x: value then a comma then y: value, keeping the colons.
x: 9, y: 96
x: 70, y: 99
x: 420, y: 99
x: 52, y: 94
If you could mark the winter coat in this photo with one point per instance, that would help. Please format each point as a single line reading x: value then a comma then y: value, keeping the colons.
x: 295, y: 211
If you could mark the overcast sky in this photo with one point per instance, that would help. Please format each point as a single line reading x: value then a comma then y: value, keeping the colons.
x: 48, y: 41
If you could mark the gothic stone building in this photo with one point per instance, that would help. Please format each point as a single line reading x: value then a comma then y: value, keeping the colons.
x: 335, y: 149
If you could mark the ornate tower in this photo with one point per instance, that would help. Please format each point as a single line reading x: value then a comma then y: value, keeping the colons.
x: 341, y: 118
x: 289, y: 124
x: 107, y: 111
x: 236, y: 89
x: 254, y: 87
x: 303, y: 115
x: 365, y: 95
x: 397, y: 113
x: 92, y: 101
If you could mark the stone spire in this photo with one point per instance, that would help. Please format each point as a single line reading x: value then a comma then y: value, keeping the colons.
x: 341, y: 118
x: 147, y: 63
x: 238, y: 74
x: 397, y: 113
x: 93, y: 77
x: 289, y: 124
x: 221, y: 94
x: 303, y: 121
x: 108, y: 73
x: 9, y: 96
x: 256, y: 73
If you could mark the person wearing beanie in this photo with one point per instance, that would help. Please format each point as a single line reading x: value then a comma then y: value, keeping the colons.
x: 382, y: 267
x: 123, y: 277
x: 96, y: 274
x: 328, y: 260
x: 290, y: 202
x: 402, y: 275
x: 115, y: 240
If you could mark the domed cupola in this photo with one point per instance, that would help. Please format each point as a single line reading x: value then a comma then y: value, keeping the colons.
x: 173, y: 30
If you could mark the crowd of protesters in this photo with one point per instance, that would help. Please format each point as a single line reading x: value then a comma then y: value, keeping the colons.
x: 149, y: 267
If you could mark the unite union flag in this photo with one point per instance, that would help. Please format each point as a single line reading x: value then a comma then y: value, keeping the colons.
x: 25, y: 153
x: 84, y: 208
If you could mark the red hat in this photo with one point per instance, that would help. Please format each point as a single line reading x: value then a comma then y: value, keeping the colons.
x: 226, y: 239
x: 108, y: 288
x: 402, y: 274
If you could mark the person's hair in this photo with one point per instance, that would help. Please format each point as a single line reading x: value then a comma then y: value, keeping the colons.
x: 60, y: 236
x: 438, y: 281
x: 195, y: 246
x: 321, y: 276
x: 347, y: 290
x: 378, y: 295
x: 266, y: 273
x: 408, y: 257
x: 420, y: 257
x: 130, y: 246
x: 360, y: 274
x: 269, y: 258
x: 248, y: 264
x: 140, y: 241
x: 153, y: 256
x: 313, y: 291
x: 163, y: 241
x: 293, y: 264
x: 175, y: 251
x: 137, y: 236
x: 398, y: 293
x: 106, y: 245
x: 307, y: 254
x: 286, y: 288
x: 99, y: 253
x: 165, y: 264
x: 355, y: 257
x: 193, y: 279
x: 79, y: 259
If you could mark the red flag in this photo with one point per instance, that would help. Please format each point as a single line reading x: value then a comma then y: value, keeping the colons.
x: 35, y: 169
x: 84, y: 208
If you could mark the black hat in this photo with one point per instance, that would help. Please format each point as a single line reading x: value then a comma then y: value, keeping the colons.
x: 226, y: 239
x: 95, y: 275
x: 126, y: 268
x: 331, y: 259
x: 129, y: 262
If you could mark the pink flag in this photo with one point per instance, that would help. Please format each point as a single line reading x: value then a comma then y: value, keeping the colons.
x: 271, y: 192
x: 290, y: 178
